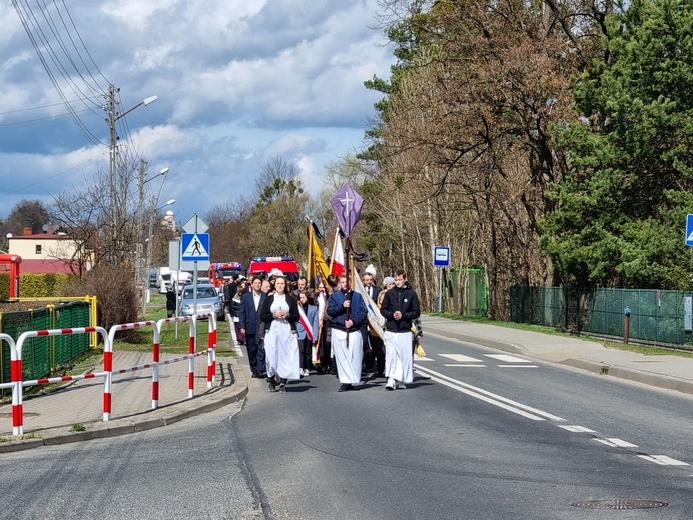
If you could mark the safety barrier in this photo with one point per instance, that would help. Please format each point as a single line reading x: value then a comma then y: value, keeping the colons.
x: 17, y: 376
x: 18, y: 383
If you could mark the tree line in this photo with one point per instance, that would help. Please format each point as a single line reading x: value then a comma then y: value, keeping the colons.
x: 547, y: 142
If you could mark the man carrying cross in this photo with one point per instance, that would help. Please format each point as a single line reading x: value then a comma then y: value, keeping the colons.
x: 348, y: 312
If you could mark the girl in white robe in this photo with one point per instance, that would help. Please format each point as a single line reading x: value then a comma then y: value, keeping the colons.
x: 280, y: 314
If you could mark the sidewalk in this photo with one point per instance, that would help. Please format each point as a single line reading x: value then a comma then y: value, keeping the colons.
x: 48, y: 418
x: 669, y: 372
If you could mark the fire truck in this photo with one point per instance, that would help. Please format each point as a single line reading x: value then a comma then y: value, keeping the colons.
x: 223, y: 271
x: 263, y: 265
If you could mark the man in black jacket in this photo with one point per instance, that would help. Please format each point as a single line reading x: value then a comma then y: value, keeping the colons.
x: 400, y: 308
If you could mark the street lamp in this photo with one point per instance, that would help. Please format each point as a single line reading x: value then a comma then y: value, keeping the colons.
x: 140, y: 204
x: 112, y: 118
x: 150, y: 239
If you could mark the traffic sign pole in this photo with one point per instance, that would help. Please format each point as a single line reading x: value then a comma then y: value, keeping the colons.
x: 441, y: 259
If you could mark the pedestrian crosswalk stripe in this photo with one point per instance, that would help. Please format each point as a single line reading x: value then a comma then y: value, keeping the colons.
x: 507, y: 359
x: 476, y: 365
x: 663, y: 460
x: 460, y: 358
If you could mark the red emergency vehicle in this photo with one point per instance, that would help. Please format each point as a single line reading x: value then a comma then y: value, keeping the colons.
x: 223, y: 271
x: 263, y: 265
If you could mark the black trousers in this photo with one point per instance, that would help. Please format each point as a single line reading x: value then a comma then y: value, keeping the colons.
x: 256, y: 354
x: 305, y: 352
x: 378, y: 346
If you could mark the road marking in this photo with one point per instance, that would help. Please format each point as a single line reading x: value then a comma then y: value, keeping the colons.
x: 460, y: 358
x: 518, y: 366
x: 663, y: 460
x: 576, y: 429
x: 489, y: 397
x: 507, y: 359
x: 617, y: 443
x: 478, y: 365
x: 418, y: 358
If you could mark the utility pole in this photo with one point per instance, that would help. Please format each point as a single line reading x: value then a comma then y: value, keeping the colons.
x: 113, y: 211
x: 140, y: 232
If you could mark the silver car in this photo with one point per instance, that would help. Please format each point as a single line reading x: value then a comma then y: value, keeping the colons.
x: 207, y: 300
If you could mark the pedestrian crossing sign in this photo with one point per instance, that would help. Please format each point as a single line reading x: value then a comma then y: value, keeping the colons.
x: 689, y: 230
x: 194, y: 247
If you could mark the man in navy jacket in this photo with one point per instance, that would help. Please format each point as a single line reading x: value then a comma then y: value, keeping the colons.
x: 348, y: 353
x: 248, y: 321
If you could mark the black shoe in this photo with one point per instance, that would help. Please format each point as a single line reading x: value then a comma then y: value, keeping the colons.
x: 344, y: 387
x: 271, y: 387
x: 254, y: 375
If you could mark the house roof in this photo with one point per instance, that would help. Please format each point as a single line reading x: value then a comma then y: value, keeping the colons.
x: 41, y: 236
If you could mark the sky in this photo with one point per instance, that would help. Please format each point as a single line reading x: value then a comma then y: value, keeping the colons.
x: 239, y: 83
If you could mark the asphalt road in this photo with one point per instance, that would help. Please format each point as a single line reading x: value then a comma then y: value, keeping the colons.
x: 483, y: 438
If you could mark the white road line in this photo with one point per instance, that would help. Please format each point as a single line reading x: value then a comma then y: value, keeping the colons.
x: 617, y: 443
x: 489, y: 397
x: 576, y: 429
x: 507, y: 359
x: 663, y: 460
x: 417, y: 358
x: 463, y: 365
x: 518, y: 366
x: 460, y: 358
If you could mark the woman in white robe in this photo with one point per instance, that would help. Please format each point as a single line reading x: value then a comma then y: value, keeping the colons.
x: 280, y: 314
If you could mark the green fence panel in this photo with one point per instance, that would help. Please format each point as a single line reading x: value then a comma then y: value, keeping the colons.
x: 656, y: 315
x: 43, y: 354
x: 67, y: 347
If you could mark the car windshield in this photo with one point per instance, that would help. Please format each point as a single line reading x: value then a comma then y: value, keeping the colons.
x: 202, y: 292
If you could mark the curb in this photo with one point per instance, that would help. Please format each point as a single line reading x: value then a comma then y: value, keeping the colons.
x: 169, y: 415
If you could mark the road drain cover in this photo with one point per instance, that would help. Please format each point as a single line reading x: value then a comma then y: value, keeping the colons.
x: 620, y: 504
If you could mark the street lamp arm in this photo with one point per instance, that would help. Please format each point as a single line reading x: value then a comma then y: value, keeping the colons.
x: 145, y: 102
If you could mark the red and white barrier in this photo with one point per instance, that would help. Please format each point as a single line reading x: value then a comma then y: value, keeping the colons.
x: 17, y: 408
x: 17, y: 383
x: 108, y: 363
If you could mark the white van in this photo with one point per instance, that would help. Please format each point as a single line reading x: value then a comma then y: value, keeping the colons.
x: 166, y: 277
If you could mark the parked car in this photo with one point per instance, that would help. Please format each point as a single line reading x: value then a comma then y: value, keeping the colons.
x: 207, y: 300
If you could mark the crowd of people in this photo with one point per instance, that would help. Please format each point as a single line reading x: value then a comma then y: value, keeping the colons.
x: 290, y: 330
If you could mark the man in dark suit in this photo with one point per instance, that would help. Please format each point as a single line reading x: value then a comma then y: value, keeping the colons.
x: 248, y: 321
x: 373, y: 348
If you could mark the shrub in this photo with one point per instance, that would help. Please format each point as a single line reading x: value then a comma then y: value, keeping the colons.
x: 116, y: 293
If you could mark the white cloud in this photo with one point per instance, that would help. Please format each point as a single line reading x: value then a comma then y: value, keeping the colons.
x: 238, y: 81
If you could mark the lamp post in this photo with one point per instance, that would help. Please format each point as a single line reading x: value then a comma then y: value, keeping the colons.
x: 112, y: 137
x: 150, y: 239
x: 140, y: 210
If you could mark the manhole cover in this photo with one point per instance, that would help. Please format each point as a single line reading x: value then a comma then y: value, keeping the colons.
x: 620, y: 504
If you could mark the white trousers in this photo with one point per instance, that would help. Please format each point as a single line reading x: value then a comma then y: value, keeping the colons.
x: 399, y: 358
x: 349, y: 360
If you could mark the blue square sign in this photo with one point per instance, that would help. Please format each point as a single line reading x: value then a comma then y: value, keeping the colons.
x: 689, y: 230
x: 441, y: 256
x: 194, y: 247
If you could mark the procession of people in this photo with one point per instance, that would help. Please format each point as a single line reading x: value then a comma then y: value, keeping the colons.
x: 290, y: 331
x: 344, y: 325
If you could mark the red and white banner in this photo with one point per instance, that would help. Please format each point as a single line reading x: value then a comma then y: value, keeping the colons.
x: 308, y: 327
x: 338, y: 260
